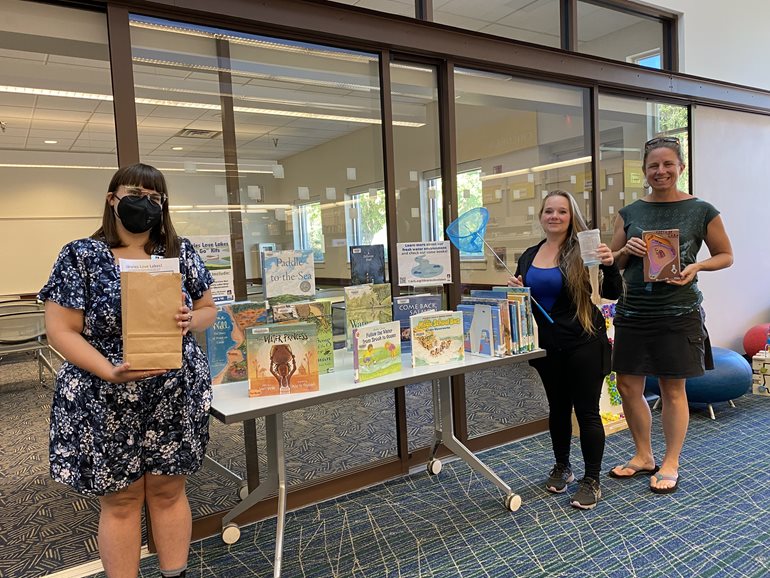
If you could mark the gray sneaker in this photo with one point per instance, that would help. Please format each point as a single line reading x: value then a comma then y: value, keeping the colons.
x: 558, y: 478
x: 587, y: 495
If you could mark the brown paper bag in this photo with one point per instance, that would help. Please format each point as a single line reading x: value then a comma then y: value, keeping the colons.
x: 149, y: 302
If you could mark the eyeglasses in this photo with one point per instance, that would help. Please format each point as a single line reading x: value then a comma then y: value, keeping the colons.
x: 157, y: 198
x: 661, y: 140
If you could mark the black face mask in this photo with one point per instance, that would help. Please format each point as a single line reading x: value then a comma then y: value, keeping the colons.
x: 138, y: 214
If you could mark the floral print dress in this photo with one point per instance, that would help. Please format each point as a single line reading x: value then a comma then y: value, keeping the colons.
x: 105, y: 436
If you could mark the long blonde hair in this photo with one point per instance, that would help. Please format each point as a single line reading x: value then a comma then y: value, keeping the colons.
x: 571, y: 263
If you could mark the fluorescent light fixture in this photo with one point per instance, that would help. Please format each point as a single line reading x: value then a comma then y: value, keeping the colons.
x: 177, y: 148
x: 50, y: 141
x: 203, y: 105
x: 505, y: 175
x: 561, y: 164
x: 19, y: 166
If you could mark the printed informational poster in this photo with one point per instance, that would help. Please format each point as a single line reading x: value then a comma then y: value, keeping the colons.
x: 424, y: 263
x: 214, y: 250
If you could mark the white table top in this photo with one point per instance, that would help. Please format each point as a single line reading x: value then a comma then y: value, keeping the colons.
x: 232, y: 404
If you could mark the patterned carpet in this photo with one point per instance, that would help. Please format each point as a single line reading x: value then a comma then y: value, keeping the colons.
x: 45, y: 526
x: 454, y: 524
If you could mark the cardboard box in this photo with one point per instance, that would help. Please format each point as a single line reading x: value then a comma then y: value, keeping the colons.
x: 760, y: 369
x: 610, y: 426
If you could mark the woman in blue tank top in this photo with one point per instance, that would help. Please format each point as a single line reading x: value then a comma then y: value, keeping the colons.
x: 659, y: 328
x: 578, y: 352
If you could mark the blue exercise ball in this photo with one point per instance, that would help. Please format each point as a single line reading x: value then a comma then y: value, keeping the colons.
x: 730, y: 378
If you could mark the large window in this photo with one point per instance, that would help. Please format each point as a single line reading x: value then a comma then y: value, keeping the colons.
x: 469, y: 197
x: 366, y: 218
x: 57, y: 135
x: 625, y: 124
x: 308, y: 229
x: 618, y: 34
x: 516, y: 140
x: 305, y: 120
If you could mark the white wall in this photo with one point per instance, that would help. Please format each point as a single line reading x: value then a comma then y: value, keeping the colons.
x: 724, y: 40
x: 731, y: 171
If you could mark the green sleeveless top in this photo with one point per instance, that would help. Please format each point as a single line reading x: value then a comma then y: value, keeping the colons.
x: 691, y: 217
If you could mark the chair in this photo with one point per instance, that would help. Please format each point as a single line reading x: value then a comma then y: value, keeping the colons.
x: 23, y: 331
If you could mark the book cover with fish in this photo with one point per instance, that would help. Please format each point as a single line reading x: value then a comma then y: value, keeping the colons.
x: 661, y: 262
x: 283, y: 358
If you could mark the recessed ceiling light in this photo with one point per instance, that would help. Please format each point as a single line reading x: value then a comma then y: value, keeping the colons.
x: 50, y: 141
x: 177, y: 148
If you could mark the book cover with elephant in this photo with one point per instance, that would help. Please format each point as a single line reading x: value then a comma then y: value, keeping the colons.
x: 283, y: 359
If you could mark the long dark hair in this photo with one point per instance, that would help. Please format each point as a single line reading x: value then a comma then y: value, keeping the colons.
x: 571, y: 263
x: 163, y: 237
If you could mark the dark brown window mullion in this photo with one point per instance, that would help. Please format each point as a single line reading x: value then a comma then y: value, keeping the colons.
x: 423, y: 10
x: 391, y: 224
x: 568, y: 24
x: 448, y: 155
x: 591, y: 103
x: 122, y: 74
x: 670, y: 56
x: 230, y: 151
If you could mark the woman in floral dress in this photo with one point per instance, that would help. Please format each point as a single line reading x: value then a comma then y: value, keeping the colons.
x: 128, y: 436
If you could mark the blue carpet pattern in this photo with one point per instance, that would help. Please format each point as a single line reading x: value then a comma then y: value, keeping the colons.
x: 454, y: 524
x: 45, y: 526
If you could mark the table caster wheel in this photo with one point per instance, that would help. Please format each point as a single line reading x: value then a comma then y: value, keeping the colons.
x: 512, y: 502
x: 231, y: 534
x: 243, y: 490
x: 434, y: 466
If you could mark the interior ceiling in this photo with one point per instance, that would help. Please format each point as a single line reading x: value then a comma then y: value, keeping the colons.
x: 288, y: 97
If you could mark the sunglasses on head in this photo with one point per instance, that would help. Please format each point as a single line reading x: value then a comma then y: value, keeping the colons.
x: 661, y: 140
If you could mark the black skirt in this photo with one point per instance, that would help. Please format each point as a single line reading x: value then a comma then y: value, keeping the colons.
x: 674, y: 347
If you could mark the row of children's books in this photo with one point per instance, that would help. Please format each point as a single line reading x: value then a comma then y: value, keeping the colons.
x: 281, y: 349
x: 499, y: 322
x: 285, y: 347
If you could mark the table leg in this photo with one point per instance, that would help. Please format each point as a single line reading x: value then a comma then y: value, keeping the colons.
x: 512, y: 501
x: 275, y: 480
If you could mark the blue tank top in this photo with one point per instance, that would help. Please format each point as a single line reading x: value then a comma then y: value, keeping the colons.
x: 546, y: 285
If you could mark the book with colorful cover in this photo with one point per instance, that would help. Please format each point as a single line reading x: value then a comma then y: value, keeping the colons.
x: 437, y: 337
x: 226, y: 339
x: 366, y: 304
x: 376, y: 350
x: 505, y: 315
x: 406, y: 306
x: 478, y: 328
x: 661, y: 261
x: 367, y: 264
x: 318, y: 312
x: 288, y: 276
x: 527, y: 328
x: 499, y: 331
x: 502, y: 319
x: 283, y: 358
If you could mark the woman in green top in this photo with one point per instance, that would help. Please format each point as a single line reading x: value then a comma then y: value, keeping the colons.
x: 659, y: 328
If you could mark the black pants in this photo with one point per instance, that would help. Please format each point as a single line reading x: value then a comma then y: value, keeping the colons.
x: 573, y: 379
